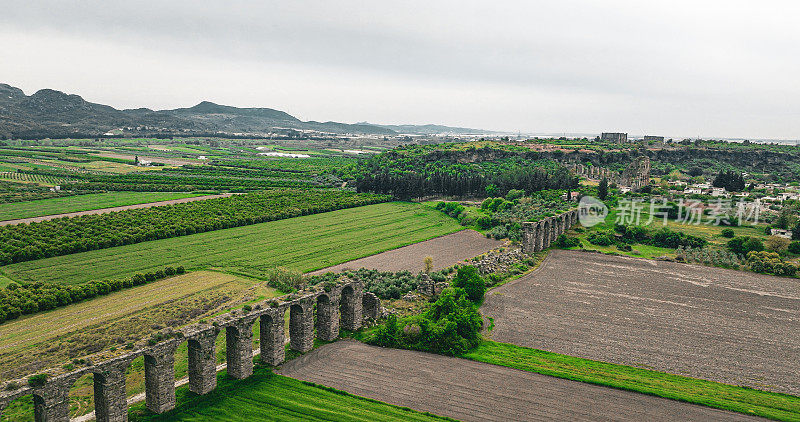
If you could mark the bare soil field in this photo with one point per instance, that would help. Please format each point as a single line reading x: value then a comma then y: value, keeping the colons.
x: 445, y: 250
x: 475, y: 391
x: 112, y: 209
x: 722, y: 325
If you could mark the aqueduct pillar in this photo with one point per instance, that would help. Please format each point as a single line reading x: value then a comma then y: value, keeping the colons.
x: 352, y: 296
x: 272, y: 338
x: 159, y: 377
x: 51, y: 404
x: 239, y: 348
x: 327, y: 317
x: 110, y: 399
x: 301, y: 325
x: 371, y: 306
x: 203, y: 362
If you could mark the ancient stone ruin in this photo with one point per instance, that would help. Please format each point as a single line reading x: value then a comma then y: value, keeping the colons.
x: 343, y: 305
x: 637, y: 174
x: 539, y: 235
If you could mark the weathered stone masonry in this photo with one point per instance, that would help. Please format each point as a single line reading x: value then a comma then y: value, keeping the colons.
x: 539, y: 235
x: 343, y: 305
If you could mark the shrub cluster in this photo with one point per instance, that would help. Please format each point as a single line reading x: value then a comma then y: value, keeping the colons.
x: 663, y: 237
x: 743, y: 245
x: 565, y: 241
x: 715, y: 257
x: 25, y: 242
x: 770, y: 263
x: 451, y: 326
x: 284, y: 279
x: 16, y: 300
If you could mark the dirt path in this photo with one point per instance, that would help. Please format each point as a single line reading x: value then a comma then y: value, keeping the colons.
x: 474, y: 391
x: 445, y: 251
x: 112, y: 209
x: 723, y: 325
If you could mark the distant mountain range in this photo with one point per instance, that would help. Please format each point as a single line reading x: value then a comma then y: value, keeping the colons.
x: 54, y: 114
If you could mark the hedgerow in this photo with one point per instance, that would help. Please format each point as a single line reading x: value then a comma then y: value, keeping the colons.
x: 17, y: 300
x: 25, y: 242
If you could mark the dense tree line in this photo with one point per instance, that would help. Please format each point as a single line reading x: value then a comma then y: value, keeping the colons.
x: 452, y: 170
x: 417, y: 185
x: 17, y: 300
x: 730, y: 180
x: 25, y: 242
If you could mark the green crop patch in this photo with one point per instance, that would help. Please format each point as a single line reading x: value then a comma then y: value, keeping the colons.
x: 302, y: 243
x: 266, y: 396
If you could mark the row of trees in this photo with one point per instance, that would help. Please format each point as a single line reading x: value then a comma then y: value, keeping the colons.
x: 414, y: 184
x: 24, y: 242
x: 17, y: 300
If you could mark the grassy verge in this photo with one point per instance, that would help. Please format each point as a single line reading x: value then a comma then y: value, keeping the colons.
x: 267, y: 396
x: 708, y: 393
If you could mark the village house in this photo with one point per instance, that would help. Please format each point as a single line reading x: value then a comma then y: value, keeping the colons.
x: 781, y: 233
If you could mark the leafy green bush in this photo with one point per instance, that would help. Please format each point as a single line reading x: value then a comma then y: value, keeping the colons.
x: 728, y: 233
x: 565, y: 241
x: 450, y: 327
x: 453, y: 209
x: 600, y: 239
x: 473, y: 284
x: 794, y: 247
x: 498, y: 232
x: 37, y: 380
x: 770, y: 263
x: 284, y: 279
x: 514, y: 194
x: 743, y: 245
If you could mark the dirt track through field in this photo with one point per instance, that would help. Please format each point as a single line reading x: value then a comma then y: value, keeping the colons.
x: 445, y: 251
x: 723, y: 325
x: 475, y: 391
x: 112, y: 209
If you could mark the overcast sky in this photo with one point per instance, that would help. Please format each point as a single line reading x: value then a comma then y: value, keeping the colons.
x: 685, y: 68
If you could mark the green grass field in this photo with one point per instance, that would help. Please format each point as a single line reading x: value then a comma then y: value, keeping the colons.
x: 78, y: 203
x: 303, y: 243
x: 269, y: 397
x: 723, y: 396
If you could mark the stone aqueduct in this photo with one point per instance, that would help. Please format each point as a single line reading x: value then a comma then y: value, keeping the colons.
x: 344, y: 305
x: 539, y: 235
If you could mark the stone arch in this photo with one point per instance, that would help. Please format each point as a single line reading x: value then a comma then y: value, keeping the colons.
x: 81, y: 395
x: 301, y: 326
x: 350, y: 307
x: 327, y: 317
x: 371, y: 305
